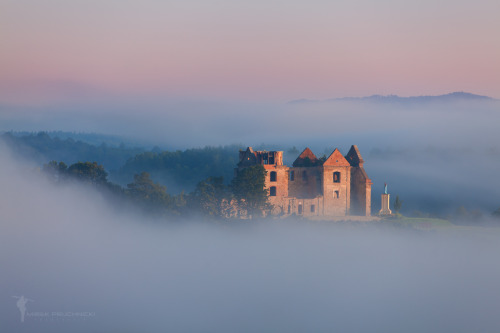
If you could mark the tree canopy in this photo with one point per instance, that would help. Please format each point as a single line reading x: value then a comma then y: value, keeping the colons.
x: 89, y: 172
x: 148, y: 194
x: 212, y: 198
x: 43, y: 147
x: 248, y: 189
x: 181, y: 170
x: 397, y: 204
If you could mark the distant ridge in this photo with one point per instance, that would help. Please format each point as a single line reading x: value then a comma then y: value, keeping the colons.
x: 454, y: 96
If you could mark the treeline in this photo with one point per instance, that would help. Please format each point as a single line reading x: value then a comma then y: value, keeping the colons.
x: 181, y: 170
x: 178, y: 170
x: 41, y: 147
x: 245, y: 196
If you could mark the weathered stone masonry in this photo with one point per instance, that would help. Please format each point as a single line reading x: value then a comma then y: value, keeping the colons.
x: 338, y: 186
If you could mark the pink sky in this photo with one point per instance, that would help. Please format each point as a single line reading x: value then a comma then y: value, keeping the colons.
x: 255, y: 50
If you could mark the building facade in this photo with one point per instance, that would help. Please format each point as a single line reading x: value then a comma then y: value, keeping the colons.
x: 335, y: 186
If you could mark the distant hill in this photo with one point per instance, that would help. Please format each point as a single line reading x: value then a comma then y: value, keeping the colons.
x: 452, y: 97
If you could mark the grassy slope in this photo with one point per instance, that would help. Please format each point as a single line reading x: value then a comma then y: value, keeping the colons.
x: 422, y: 223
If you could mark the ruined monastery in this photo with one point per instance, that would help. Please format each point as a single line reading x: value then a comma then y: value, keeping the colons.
x: 337, y: 186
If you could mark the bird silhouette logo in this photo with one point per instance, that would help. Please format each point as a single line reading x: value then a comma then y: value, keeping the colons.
x: 21, y: 305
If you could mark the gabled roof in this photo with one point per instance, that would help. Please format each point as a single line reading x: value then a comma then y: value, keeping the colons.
x: 336, y: 159
x: 354, y: 156
x: 306, y: 159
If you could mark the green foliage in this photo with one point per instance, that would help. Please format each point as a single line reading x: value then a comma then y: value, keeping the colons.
x: 178, y: 170
x: 212, y: 198
x: 142, y: 192
x: 55, y: 170
x: 420, y: 223
x: 307, y: 162
x: 397, y: 204
x: 293, y: 151
x: 153, y: 197
x: 88, y: 172
x: 181, y: 170
x: 43, y: 147
x: 180, y: 203
x: 248, y: 189
x: 149, y: 195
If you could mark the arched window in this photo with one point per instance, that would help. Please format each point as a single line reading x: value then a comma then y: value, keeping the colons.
x: 313, y: 208
x: 304, y: 175
x: 336, y: 177
x: 292, y: 175
x: 273, y: 176
x: 300, y: 209
x: 272, y: 191
x: 336, y: 194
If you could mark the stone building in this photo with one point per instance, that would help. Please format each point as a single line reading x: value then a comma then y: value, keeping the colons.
x: 337, y: 186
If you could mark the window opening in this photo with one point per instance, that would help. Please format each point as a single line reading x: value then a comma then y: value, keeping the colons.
x: 273, y: 176
x: 272, y: 191
x: 336, y: 177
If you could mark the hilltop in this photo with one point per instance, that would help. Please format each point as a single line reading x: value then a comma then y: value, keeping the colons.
x: 446, y: 98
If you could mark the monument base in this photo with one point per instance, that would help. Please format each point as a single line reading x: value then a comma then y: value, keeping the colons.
x: 385, y: 210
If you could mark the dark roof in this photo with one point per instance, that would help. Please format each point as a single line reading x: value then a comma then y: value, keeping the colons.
x: 306, y: 159
x: 354, y: 156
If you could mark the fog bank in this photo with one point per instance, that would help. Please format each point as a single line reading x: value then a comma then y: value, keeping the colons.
x: 62, y: 248
x: 435, y: 156
x: 180, y: 124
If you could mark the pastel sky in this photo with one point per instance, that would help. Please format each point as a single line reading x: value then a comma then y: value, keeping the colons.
x: 252, y: 50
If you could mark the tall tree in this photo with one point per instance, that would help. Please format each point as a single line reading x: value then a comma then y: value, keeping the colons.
x: 150, y: 195
x: 397, y: 204
x: 212, y: 198
x: 248, y: 189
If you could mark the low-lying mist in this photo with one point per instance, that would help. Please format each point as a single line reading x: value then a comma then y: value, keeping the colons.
x: 435, y: 156
x: 87, y: 268
x: 181, y: 124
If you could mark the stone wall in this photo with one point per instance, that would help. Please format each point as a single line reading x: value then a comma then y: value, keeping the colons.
x: 306, y: 183
x: 360, y: 192
x: 305, y: 207
x: 314, y: 190
x: 280, y: 184
x: 333, y: 205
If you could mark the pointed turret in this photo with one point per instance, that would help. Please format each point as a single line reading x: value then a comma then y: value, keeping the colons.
x: 354, y: 157
x: 306, y: 159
